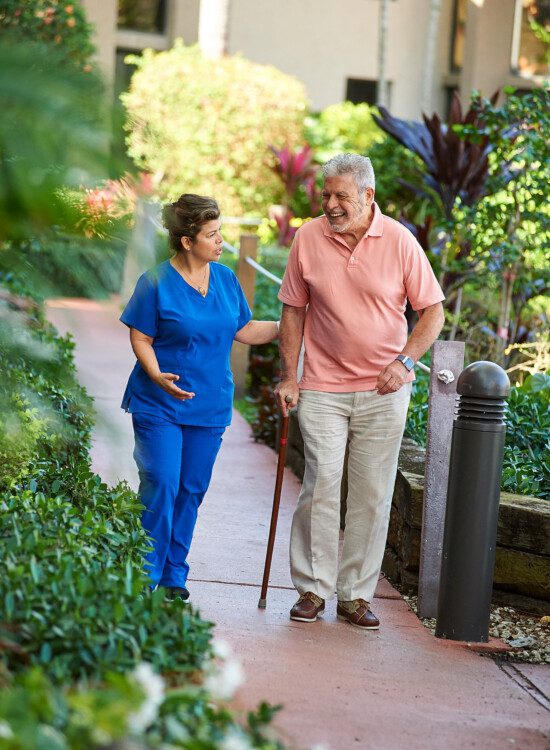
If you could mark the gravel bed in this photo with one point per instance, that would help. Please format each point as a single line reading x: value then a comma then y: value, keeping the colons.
x: 529, y: 635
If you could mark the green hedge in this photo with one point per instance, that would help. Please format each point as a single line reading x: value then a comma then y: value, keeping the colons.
x: 206, y: 125
x: 526, y: 467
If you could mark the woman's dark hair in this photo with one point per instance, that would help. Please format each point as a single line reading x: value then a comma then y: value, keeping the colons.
x: 186, y: 216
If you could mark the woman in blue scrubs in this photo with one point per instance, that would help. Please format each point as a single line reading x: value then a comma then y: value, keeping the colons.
x: 183, y: 317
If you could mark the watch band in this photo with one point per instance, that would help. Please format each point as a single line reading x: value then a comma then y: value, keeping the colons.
x: 406, y: 361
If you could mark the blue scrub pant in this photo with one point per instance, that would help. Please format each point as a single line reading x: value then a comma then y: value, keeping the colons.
x: 175, y: 465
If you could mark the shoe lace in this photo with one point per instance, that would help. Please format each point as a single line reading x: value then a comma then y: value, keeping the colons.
x: 309, y: 595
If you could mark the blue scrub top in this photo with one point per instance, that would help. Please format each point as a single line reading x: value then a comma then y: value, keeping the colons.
x: 192, y: 338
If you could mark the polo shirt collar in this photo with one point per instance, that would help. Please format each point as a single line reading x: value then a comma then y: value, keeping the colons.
x: 375, y: 229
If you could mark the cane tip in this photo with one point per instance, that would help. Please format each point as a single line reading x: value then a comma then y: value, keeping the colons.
x: 262, y: 604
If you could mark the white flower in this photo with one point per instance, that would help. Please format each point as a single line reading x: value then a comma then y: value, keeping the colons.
x: 223, y: 682
x: 5, y: 731
x: 235, y: 740
x: 153, y: 687
x: 221, y: 649
x: 320, y: 746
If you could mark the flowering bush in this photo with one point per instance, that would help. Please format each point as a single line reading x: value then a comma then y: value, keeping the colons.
x: 205, y: 125
x: 114, y: 201
x: 133, y: 710
x: 52, y: 21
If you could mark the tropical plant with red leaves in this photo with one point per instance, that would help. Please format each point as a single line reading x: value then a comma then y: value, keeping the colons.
x: 458, y: 173
x: 294, y: 167
x: 456, y: 166
x: 298, y: 173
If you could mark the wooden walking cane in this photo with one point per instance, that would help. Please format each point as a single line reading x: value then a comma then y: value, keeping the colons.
x: 275, y: 510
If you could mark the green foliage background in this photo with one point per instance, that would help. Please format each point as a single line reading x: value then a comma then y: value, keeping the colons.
x: 526, y: 467
x: 205, y: 126
x: 58, y: 23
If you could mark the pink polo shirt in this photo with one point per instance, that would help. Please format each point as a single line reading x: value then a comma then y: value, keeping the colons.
x: 355, y: 323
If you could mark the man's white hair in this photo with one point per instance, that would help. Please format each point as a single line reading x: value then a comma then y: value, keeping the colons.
x: 359, y: 167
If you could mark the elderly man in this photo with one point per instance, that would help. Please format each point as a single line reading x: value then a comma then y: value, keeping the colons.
x: 344, y: 292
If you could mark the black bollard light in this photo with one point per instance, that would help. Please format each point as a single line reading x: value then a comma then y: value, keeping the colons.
x: 473, y: 495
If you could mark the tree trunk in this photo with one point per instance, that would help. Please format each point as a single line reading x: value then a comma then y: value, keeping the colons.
x: 213, y: 25
x: 429, y: 59
x: 382, y: 97
x: 508, y: 278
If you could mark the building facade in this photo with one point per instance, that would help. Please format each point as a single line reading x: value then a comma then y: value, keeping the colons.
x: 334, y: 48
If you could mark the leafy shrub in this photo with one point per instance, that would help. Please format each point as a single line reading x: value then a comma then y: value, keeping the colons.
x: 526, y: 460
x: 60, y: 264
x: 60, y: 24
x: 20, y: 433
x: 44, y: 411
x: 417, y: 417
x: 206, y: 125
x: 74, y: 595
x: 53, y: 134
x: 526, y: 469
x: 343, y: 127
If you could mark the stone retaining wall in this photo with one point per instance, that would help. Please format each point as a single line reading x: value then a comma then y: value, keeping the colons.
x: 522, y: 567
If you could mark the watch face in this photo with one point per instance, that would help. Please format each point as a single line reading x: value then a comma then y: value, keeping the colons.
x: 406, y: 361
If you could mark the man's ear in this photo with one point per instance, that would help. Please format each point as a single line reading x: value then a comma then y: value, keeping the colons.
x: 369, y: 195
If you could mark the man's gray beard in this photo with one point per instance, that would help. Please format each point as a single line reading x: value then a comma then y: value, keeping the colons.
x: 340, y: 230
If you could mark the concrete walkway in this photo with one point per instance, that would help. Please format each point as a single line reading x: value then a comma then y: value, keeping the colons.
x: 395, y: 689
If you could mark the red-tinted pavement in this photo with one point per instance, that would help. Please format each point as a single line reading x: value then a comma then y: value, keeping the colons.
x: 395, y: 689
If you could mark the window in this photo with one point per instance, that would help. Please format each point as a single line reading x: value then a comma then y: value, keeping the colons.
x: 458, y: 33
x: 530, y: 48
x: 123, y: 70
x: 142, y: 15
x: 360, y: 90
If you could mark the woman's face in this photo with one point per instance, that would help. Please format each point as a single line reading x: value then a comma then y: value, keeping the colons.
x: 207, y: 245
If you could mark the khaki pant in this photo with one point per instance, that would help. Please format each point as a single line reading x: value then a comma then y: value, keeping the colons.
x: 375, y: 427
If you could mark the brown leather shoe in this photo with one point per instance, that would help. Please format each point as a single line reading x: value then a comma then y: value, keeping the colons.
x: 358, y: 614
x: 308, y: 608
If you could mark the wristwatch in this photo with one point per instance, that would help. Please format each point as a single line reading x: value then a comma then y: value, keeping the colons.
x: 406, y: 361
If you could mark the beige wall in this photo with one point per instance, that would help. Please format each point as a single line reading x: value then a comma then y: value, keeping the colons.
x: 324, y: 47
x: 183, y: 20
x: 487, y: 52
x: 487, y: 48
x: 323, y: 42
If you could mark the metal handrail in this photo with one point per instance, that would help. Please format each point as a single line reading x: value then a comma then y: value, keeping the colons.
x: 253, y: 263
x: 265, y: 272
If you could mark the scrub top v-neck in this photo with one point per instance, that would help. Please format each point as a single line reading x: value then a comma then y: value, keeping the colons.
x: 192, y: 337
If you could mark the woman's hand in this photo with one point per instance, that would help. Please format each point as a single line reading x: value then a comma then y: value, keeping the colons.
x: 167, y: 380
